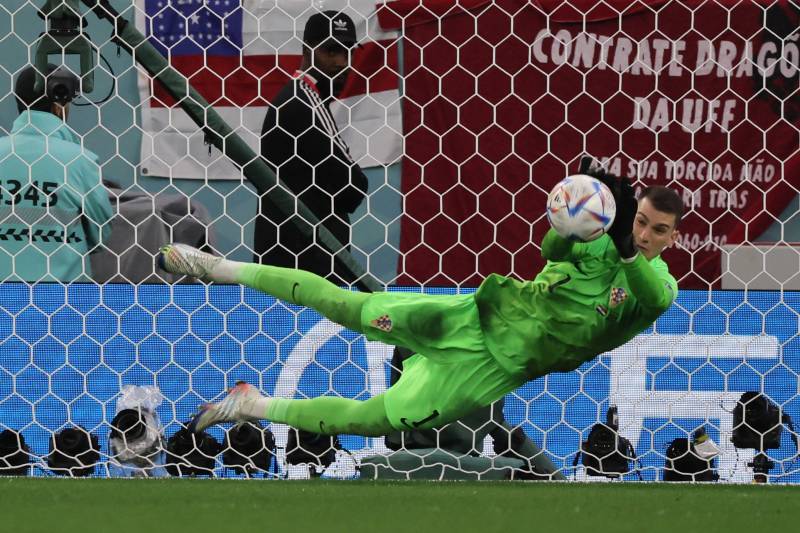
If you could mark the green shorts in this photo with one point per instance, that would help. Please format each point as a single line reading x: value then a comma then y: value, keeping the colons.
x: 452, y: 373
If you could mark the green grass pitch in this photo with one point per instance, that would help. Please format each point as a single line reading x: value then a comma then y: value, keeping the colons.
x: 181, y: 505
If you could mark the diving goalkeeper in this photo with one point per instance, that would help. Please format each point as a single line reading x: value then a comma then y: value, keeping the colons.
x: 470, y: 349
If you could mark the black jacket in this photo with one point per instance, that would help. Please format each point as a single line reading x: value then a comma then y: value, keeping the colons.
x: 301, y: 143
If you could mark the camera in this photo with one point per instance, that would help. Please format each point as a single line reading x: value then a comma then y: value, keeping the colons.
x: 135, y: 438
x: 691, y: 459
x: 192, y: 454
x: 249, y: 448
x: 311, y: 449
x: 605, y: 452
x: 758, y: 425
x: 74, y: 452
x: 64, y: 36
x: 62, y: 86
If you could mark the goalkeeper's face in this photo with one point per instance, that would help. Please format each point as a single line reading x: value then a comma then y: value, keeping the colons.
x: 653, y: 230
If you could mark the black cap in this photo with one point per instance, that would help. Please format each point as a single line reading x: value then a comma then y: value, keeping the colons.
x: 335, y: 26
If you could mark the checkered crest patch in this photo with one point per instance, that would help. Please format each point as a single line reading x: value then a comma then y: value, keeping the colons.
x: 383, y: 323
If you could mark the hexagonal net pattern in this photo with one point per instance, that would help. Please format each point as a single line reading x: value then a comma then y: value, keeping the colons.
x: 406, y: 146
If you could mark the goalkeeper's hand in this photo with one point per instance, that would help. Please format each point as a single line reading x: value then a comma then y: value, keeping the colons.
x: 621, y: 230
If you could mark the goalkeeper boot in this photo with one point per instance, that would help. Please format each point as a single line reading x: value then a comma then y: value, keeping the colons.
x: 230, y: 409
x: 187, y: 260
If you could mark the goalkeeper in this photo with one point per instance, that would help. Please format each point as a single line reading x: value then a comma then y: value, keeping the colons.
x: 471, y: 349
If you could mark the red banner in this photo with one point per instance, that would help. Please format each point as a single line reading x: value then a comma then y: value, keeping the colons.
x: 502, y: 98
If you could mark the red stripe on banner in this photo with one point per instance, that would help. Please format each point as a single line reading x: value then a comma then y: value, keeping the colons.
x: 406, y: 13
x: 231, y: 81
x: 493, y: 124
x: 252, y: 81
x: 400, y: 14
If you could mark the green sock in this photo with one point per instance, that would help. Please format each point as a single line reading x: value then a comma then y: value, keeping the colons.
x: 330, y: 415
x: 304, y: 288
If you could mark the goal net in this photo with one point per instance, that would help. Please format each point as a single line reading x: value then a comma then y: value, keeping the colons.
x: 462, y: 116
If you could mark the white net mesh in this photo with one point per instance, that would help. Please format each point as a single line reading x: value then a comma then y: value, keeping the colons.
x: 462, y: 118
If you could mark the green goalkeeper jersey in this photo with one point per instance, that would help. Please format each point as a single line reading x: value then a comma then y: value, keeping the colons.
x: 586, y: 301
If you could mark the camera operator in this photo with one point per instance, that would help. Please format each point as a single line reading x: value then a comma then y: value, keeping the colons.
x: 53, y: 206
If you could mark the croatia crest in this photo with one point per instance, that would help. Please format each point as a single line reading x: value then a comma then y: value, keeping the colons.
x: 383, y: 323
x: 618, y: 295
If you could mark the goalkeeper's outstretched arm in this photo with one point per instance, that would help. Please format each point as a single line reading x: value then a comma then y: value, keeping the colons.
x: 557, y: 248
x: 657, y: 214
x: 653, y: 290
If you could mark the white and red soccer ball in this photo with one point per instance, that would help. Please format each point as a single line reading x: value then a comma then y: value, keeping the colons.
x: 581, y: 208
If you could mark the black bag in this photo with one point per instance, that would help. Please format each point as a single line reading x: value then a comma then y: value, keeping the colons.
x: 605, y: 452
x: 683, y: 464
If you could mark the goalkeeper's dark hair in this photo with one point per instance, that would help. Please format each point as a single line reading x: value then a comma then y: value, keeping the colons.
x: 665, y: 200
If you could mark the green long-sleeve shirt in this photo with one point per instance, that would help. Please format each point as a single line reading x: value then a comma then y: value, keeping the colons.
x: 586, y: 301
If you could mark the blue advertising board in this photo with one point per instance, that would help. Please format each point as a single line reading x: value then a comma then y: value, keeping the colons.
x: 67, y: 351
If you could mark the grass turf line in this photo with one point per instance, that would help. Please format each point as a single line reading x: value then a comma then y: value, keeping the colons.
x: 178, y: 505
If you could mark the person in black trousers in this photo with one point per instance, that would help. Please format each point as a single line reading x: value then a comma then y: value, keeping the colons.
x: 300, y: 141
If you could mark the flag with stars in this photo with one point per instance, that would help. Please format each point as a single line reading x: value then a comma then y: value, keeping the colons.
x: 238, y: 54
x: 195, y: 27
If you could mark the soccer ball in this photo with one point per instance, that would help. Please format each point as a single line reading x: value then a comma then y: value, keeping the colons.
x: 580, y: 208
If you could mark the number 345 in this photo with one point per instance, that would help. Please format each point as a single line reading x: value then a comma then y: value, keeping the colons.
x: 12, y: 193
